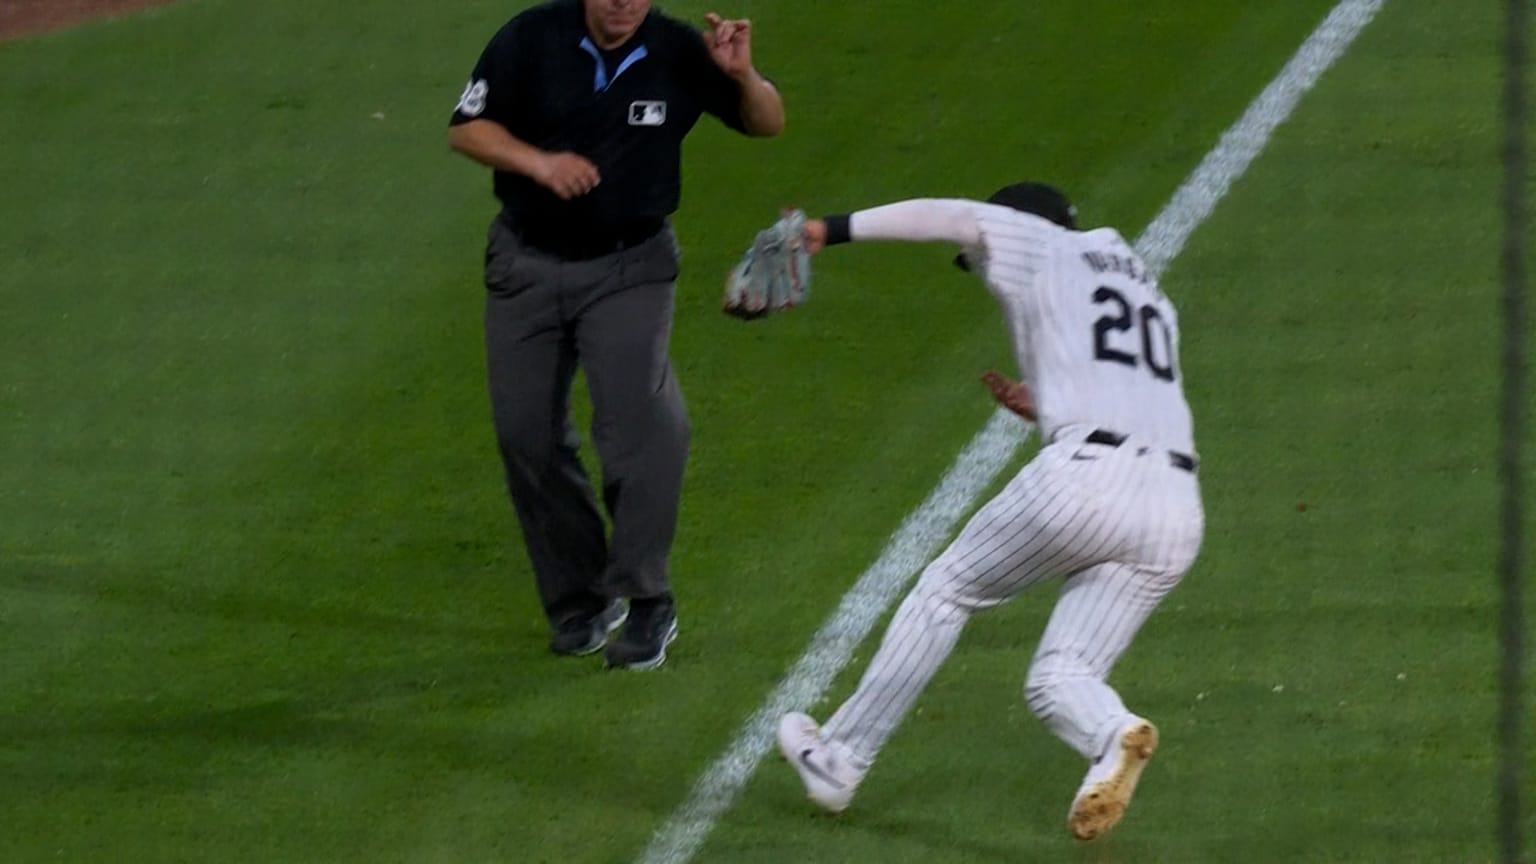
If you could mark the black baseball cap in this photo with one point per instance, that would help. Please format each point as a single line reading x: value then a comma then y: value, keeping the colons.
x: 1039, y: 199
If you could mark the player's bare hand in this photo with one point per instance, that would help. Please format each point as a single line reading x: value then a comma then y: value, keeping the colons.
x: 567, y: 175
x: 1011, y: 394
x: 730, y: 44
x: 815, y: 234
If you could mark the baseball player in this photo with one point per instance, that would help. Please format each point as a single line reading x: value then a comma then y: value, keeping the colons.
x: 1111, y: 502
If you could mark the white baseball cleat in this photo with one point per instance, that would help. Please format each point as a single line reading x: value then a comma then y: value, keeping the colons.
x: 829, y: 777
x: 1111, y: 780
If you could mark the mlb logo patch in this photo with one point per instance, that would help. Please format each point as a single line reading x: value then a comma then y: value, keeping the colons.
x: 646, y: 113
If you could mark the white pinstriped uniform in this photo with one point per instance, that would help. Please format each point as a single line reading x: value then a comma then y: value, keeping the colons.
x: 1097, y: 345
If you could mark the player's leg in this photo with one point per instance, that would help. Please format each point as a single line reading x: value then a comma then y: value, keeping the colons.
x: 530, y: 362
x: 1097, y: 616
x: 640, y: 427
x: 1032, y: 530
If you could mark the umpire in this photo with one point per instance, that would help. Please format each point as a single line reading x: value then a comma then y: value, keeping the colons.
x: 581, y: 107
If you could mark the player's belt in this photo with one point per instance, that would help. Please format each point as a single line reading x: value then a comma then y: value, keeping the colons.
x: 1181, y: 461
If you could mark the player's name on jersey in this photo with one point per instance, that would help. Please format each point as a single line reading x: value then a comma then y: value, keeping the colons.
x: 1109, y: 262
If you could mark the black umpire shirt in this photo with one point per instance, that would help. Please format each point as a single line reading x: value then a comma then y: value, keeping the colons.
x: 627, y: 110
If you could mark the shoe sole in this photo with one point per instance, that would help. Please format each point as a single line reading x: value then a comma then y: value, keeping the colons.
x: 596, y: 645
x: 1103, y: 805
x: 616, y: 624
x: 586, y: 650
x: 651, y: 662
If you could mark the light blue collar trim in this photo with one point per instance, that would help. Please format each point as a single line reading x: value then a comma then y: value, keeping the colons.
x: 600, y: 79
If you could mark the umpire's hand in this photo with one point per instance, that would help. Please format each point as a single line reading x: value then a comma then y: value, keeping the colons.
x: 567, y: 175
x: 730, y: 44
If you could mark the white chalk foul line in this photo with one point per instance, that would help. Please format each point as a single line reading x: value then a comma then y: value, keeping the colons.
x: 929, y: 526
x: 1242, y: 143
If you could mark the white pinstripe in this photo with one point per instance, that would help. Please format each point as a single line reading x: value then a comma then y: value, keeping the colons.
x: 1121, y: 524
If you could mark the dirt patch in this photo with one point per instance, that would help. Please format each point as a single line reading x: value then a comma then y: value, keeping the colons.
x: 25, y: 17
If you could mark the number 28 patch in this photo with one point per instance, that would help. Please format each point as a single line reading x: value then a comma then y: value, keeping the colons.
x: 472, y: 103
x: 647, y: 113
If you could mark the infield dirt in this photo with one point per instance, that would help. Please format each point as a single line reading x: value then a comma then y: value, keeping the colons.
x: 25, y: 17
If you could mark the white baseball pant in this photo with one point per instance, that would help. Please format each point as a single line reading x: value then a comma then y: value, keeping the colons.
x: 1122, y: 524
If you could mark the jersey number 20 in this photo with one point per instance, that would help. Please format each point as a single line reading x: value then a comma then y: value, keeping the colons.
x: 1156, y: 339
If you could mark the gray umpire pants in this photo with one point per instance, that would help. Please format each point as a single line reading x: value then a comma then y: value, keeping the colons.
x: 612, y: 317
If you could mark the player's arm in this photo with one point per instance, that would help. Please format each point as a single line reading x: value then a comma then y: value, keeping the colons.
x: 1010, y: 394
x: 919, y: 220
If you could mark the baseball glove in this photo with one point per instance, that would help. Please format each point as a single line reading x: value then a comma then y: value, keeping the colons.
x: 774, y: 274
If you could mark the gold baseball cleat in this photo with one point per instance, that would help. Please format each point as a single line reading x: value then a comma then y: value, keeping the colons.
x: 1107, y: 790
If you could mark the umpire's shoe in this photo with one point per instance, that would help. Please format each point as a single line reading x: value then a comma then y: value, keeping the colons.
x: 585, y: 635
x: 643, y: 644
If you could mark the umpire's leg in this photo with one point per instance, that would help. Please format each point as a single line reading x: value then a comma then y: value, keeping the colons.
x: 530, y: 362
x: 639, y: 423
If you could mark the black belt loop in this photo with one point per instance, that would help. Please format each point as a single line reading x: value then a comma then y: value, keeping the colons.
x: 1181, y: 461
x: 1106, y: 437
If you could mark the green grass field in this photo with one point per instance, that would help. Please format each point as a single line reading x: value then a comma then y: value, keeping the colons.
x: 262, y: 598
